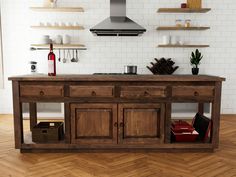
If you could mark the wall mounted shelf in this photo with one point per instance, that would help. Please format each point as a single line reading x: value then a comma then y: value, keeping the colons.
x: 59, y: 27
x: 58, y: 46
x: 57, y: 9
x: 167, y: 28
x: 183, y: 10
x: 183, y: 46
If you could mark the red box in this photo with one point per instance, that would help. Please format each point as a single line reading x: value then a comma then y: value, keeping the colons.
x: 185, y: 136
x: 181, y: 126
x: 180, y: 123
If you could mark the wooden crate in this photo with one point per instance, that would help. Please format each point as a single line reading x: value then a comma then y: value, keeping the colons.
x: 46, y: 132
x: 194, y: 4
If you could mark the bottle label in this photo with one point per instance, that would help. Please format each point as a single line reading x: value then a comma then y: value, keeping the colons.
x: 50, y: 66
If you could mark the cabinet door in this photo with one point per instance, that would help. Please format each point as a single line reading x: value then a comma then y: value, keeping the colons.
x: 94, y: 123
x: 141, y: 123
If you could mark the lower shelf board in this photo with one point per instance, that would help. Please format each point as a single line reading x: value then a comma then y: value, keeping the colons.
x: 65, y: 146
x: 160, y: 147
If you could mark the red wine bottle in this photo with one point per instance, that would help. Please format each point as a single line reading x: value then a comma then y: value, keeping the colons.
x: 51, y: 62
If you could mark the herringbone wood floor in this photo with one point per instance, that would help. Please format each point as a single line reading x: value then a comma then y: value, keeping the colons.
x: 222, y: 163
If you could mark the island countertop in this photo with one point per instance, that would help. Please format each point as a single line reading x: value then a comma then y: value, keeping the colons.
x: 121, y: 77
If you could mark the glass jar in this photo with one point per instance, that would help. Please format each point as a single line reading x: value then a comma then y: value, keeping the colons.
x: 187, y: 23
x: 178, y: 23
x: 33, y: 67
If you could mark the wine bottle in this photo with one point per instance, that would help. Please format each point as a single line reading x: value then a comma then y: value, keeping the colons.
x: 51, y: 62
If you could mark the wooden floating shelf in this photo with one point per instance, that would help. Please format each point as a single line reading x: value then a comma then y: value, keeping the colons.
x: 166, y: 28
x: 59, y: 27
x: 183, y: 10
x: 57, y: 9
x: 183, y: 46
x: 58, y: 46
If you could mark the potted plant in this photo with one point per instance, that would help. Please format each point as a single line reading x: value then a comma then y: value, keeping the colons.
x: 195, y: 61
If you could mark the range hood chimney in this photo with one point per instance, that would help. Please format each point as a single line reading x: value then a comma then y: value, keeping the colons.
x: 118, y: 24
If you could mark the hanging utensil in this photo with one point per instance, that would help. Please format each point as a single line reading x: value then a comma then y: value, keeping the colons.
x: 64, y: 57
x: 73, y: 59
x: 59, y: 59
x: 68, y: 57
x: 76, y: 56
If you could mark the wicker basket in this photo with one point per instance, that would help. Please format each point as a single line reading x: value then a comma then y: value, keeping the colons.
x: 194, y: 4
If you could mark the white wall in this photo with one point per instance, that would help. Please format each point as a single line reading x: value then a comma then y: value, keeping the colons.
x: 110, y: 54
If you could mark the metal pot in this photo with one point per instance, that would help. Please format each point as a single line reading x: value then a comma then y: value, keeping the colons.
x: 130, y: 69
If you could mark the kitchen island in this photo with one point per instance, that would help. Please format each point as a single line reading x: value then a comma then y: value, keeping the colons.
x: 116, y: 112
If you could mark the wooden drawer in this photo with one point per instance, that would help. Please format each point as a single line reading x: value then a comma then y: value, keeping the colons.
x: 42, y: 91
x: 91, y: 91
x: 143, y: 91
x: 192, y: 91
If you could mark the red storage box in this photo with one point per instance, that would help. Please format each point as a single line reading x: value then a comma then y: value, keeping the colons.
x: 181, y: 126
x: 185, y: 136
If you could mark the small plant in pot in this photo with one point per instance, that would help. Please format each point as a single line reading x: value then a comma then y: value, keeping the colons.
x: 195, y: 61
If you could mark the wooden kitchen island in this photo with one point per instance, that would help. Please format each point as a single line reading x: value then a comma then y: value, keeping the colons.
x: 116, y: 112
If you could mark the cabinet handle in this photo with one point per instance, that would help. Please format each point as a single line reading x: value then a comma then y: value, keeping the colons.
x: 93, y: 93
x: 115, y: 124
x: 41, y: 93
x: 122, y: 124
x: 196, y: 93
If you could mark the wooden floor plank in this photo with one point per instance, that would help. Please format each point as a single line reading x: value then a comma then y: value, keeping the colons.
x: 221, y: 163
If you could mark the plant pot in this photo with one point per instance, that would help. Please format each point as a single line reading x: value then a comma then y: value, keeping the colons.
x: 195, y: 71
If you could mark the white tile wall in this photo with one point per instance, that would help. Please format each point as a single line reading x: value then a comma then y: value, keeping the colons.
x: 110, y: 54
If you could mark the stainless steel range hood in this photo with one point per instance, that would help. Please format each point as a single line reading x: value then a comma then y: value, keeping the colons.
x: 117, y: 24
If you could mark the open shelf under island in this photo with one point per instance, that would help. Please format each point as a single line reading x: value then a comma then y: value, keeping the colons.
x: 115, y: 112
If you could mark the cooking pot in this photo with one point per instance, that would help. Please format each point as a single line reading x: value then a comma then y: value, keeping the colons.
x: 130, y: 69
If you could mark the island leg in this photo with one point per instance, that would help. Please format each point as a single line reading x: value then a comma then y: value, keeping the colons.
x: 201, y: 108
x: 33, y: 114
x: 67, y: 123
x: 168, y: 123
x: 216, y: 115
x: 17, y: 110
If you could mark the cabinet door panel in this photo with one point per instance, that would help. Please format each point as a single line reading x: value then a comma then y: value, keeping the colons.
x: 141, y: 123
x: 87, y: 121
x: 94, y: 123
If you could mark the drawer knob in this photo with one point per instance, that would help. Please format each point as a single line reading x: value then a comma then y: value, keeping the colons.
x: 115, y: 124
x: 41, y: 93
x: 93, y: 93
x: 122, y: 124
x: 146, y: 93
x: 196, y: 93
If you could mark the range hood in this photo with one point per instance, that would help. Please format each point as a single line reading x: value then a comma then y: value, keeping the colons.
x: 117, y: 24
